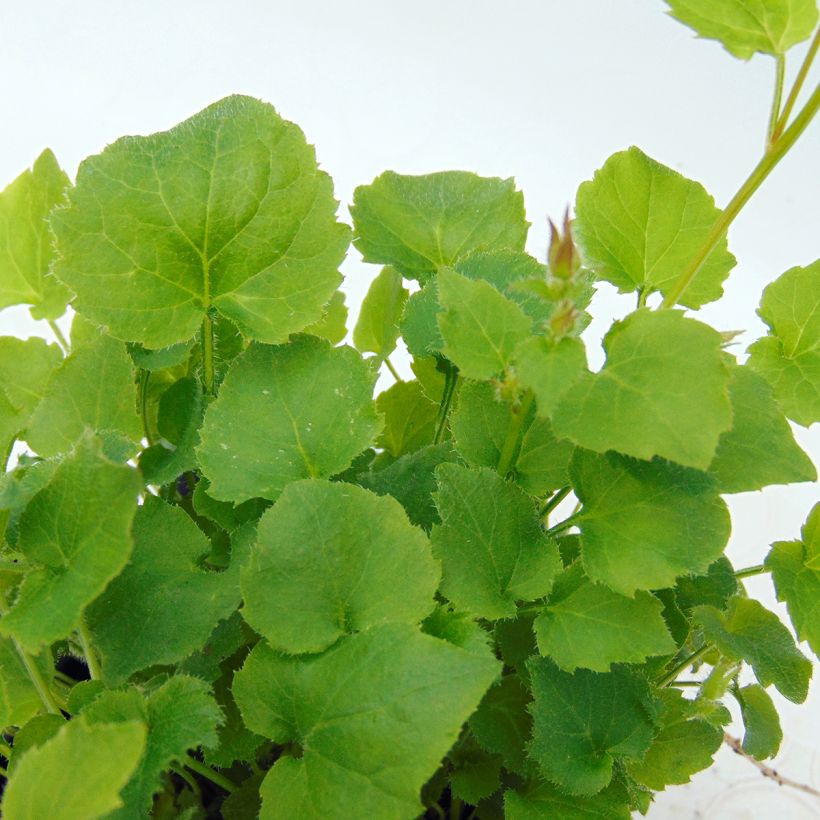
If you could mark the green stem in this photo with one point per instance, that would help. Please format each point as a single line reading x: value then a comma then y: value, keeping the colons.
x: 554, y: 501
x: 455, y: 808
x: 88, y: 651
x: 450, y: 382
x: 509, y: 451
x: 564, y: 525
x: 683, y: 683
x: 667, y: 680
x: 5, y: 750
x: 208, y: 355
x: 4, y: 772
x: 61, y: 340
x: 145, y: 378
x: 802, y: 73
x: 748, y: 572
x: 206, y: 771
x: 774, y: 117
x: 393, y: 372
x: 776, y: 151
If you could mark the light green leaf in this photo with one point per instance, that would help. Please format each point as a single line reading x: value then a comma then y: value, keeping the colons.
x: 25, y: 368
x: 92, y: 389
x: 789, y: 357
x: 356, y: 553
x: 763, y: 733
x: 458, y: 628
x: 377, y: 327
x: 796, y: 574
x: 662, y: 392
x: 180, y: 714
x: 479, y: 326
x: 76, y: 531
x: 26, y: 242
x: 368, y: 745
x: 144, y: 357
x: 420, y: 223
x: 228, y: 211
x: 750, y: 632
x: 587, y: 625
x: 549, y: 369
x: 35, y: 732
x: 22, y: 702
x: 543, y: 800
x: 760, y: 448
x: 301, y: 410
x: 492, y: 549
x: 748, y: 26
x: 685, y: 745
x: 645, y: 523
x: 333, y: 324
x: 409, y: 418
x: 85, y: 767
x: 583, y: 722
x: 162, y: 606
x: 639, y: 223
x: 419, y: 322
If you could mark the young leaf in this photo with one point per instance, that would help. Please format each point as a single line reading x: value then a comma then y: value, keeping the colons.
x: 549, y: 368
x: 409, y: 418
x: 479, y: 326
x: 491, y: 546
x: 377, y: 327
x: 25, y: 240
x: 228, y: 211
x: 789, y: 357
x: 751, y: 633
x: 715, y: 587
x: 662, y: 392
x: 795, y: 568
x: 587, y: 625
x: 332, y: 559
x: 760, y: 448
x: 162, y: 606
x: 76, y: 532
x: 763, y: 733
x: 369, y: 745
x: 638, y: 223
x: 421, y: 223
x: 280, y: 415
x: 748, y: 26
x: 645, y: 523
x: 92, y: 389
x: 102, y: 758
x: 583, y: 722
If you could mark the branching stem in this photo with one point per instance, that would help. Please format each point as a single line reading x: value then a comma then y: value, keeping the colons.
x: 802, y: 73
x: 774, y: 117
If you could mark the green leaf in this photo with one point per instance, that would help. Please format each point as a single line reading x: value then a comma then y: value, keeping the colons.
x: 749, y: 632
x: 715, y: 587
x: 22, y: 701
x: 639, y: 223
x: 583, y: 722
x: 85, y: 767
x: 280, y: 415
x: 685, y: 744
x: 458, y: 628
x: 333, y: 324
x: 409, y: 418
x: 795, y: 571
x: 760, y: 448
x: 587, y: 625
x: 748, y: 26
x: 372, y: 717
x: 163, y: 605
x: 180, y: 714
x: 419, y: 322
x: 645, y: 523
x: 377, y: 327
x: 663, y: 392
x: 491, y: 546
x: 26, y: 242
x: 25, y: 368
x: 420, y: 223
x: 479, y: 326
x: 92, y: 389
x: 549, y: 368
x: 147, y: 358
x: 35, y: 732
x: 474, y: 774
x: 763, y: 733
x: 789, y: 357
x: 228, y: 211
x: 357, y: 554
x: 76, y: 532
x: 543, y: 801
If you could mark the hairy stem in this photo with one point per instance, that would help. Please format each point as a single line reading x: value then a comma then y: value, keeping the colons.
x: 668, y: 680
x: 553, y: 501
x: 802, y: 73
x: 58, y: 334
x: 778, y: 96
x: 88, y: 651
x: 450, y: 382
x: 206, y: 771
x: 564, y: 525
x: 509, y: 452
x: 748, y: 572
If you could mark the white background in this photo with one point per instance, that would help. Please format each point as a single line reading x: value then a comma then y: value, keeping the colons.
x: 537, y: 89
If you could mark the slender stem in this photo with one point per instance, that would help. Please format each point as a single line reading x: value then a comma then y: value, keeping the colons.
x: 5, y: 750
x: 564, y: 525
x: 4, y: 772
x: 206, y: 771
x: 455, y: 808
x: 208, y: 355
x: 554, y: 501
x: 61, y: 340
x: 88, y: 651
x: 193, y: 785
x: 450, y: 382
x: 692, y: 683
x: 802, y: 73
x: 777, y: 150
x: 509, y: 451
x: 145, y: 378
x: 667, y: 680
x: 393, y: 372
x: 778, y: 96
x: 748, y: 572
